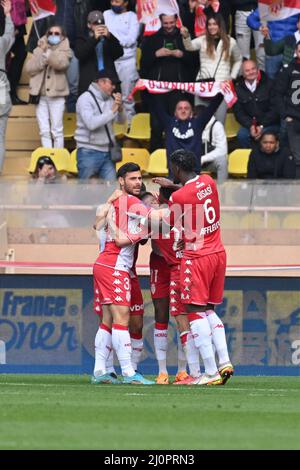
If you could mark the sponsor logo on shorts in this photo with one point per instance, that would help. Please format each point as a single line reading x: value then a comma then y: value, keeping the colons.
x: 137, y: 308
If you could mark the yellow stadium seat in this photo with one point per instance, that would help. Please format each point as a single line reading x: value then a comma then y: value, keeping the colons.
x: 139, y: 156
x: 238, y: 162
x: 60, y: 158
x: 229, y: 220
x: 120, y: 129
x: 259, y: 220
x: 231, y: 126
x: 291, y: 221
x: 69, y: 125
x: 73, y: 162
x: 140, y: 127
x: 158, y: 163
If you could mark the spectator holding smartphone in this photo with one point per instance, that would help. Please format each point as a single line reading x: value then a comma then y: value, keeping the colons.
x: 96, y: 50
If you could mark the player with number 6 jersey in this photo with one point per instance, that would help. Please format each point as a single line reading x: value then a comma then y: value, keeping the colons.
x: 202, y: 276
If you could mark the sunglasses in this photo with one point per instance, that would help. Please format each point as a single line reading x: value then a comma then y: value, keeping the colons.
x: 54, y: 33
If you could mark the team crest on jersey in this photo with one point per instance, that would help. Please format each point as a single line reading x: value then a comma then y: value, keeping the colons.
x: 128, y: 296
x: 153, y: 289
x: 116, y: 273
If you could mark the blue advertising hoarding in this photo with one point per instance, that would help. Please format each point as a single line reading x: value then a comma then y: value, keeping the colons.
x: 47, y: 325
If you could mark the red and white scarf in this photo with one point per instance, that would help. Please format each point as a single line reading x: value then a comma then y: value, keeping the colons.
x: 202, y: 89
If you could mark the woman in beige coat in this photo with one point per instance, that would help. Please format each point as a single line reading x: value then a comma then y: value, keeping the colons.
x: 48, y: 84
x: 220, y: 56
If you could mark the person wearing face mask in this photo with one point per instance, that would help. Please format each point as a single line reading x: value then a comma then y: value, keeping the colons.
x: 125, y: 27
x: 48, y: 84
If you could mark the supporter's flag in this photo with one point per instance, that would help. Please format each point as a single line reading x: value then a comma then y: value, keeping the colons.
x: 200, y: 16
x: 272, y: 10
x: 148, y: 12
x: 42, y: 8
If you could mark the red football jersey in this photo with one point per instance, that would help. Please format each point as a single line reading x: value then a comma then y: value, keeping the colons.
x: 167, y: 248
x: 196, y: 207
x: 130, y: 217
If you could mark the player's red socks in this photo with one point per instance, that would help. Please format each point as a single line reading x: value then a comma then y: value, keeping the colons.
x: 122, y: 345
x: 161, y: 345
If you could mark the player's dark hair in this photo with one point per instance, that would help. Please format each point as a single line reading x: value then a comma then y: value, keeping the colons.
x: 184, y: 159
x: 145, y: 194
x: 127, y: 168
x: 166, y: 192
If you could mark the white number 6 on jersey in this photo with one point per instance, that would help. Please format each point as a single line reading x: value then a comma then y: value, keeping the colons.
x: 210, y: 213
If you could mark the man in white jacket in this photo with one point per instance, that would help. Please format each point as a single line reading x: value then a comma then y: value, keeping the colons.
x: 125, y: 27
x: 214, y: 152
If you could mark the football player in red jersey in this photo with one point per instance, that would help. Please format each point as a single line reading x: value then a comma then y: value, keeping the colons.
x: 112, y: 278
x: 165, y: 261
x: 203, y: 264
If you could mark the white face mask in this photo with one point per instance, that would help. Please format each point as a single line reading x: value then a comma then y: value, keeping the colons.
x: 54, y: 40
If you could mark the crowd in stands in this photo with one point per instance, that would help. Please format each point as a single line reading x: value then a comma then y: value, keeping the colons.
x: 83, y: 60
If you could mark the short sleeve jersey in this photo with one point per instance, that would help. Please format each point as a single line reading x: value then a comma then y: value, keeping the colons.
x: 130, y: 217
x: 196, y: 206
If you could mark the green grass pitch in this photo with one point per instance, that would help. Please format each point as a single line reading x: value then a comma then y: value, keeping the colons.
x: 66, y: 412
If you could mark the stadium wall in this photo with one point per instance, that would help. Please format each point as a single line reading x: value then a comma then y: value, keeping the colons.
x: 47, y: 325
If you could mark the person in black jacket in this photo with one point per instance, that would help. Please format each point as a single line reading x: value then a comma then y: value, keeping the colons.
x: 96, y: 51
x: 255, y: 108
x: 288, y: 88
x: 270, y: 161
x: 164, y: 58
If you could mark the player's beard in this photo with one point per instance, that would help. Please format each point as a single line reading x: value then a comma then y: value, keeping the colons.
x: 132, y: 191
